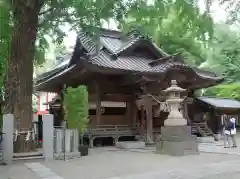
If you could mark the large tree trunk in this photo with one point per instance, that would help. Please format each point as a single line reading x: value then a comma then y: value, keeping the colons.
x: 18, y: 87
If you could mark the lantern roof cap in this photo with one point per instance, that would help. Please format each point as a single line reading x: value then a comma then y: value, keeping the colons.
x: 174, y: 87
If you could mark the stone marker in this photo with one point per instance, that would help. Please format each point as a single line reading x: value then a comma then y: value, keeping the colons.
x: 7, y: 143
x: 47, y: 120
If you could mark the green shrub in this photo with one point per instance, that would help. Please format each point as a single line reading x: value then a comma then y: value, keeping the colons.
x: 76, y: 107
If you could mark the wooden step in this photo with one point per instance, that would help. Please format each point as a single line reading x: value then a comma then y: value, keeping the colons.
x: 201, y: 128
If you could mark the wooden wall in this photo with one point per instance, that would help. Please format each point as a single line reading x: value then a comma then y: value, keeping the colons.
x: 122, y: 117
x: 110, y: 120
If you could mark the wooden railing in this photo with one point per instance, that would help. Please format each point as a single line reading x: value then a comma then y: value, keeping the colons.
x: 117, y: 131
x: 113, y: 130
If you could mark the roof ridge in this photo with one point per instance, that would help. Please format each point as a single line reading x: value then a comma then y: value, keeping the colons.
x: 126, y: 45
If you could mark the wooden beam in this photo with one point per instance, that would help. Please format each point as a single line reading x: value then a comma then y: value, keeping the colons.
x: 159, y: 61
x: 111, y: 97
x: 98, y: 103
x: 136, y: 79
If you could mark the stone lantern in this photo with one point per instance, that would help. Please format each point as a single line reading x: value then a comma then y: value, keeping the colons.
x: 174, y: 100
x: 176, y: 138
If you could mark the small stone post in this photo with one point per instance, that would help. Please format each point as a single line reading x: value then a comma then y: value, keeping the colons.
x: 75, y: 140
x: 68, y: 135
x: 59, y: 140
x: 8, y: 122
x: 48, y: 136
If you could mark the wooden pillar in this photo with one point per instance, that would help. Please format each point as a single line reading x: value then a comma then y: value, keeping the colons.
x: 149, y: 120
x: 133, y: 111
x: 98, y: 103
x: 185, y: 110
x: 129, y: 111
x: 185, y: 104
x: 142, y: 116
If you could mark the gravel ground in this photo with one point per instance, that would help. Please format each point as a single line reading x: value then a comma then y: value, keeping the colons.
x: 109, y: 163
x: 119, y: 164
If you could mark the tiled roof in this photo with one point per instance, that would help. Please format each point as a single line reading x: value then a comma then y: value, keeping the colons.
x: 113, y: 43
x: 132, y: 63
x: 221, y: 102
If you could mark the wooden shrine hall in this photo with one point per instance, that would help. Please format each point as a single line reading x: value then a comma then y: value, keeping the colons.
x: 125, y: 75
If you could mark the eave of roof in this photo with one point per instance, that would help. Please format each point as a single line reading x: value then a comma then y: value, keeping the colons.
x: 62, y: 66
x: 223, y: 103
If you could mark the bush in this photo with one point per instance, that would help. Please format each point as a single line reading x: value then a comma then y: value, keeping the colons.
x: 76, y: 107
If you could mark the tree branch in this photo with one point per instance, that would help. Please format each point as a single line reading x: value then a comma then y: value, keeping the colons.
x: 54, y: 15
x: 47, y: 11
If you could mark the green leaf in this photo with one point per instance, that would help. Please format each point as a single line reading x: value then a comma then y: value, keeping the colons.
x: 76, y: 107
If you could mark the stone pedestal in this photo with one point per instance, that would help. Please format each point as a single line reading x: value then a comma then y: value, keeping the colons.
x: 177, y: 141
x: 176, y: 136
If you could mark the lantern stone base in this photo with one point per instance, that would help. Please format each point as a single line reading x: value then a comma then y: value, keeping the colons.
x: 177, y: 141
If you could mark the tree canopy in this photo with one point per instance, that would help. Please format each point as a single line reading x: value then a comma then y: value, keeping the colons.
x: 176, y: 26
x: 223, y: 54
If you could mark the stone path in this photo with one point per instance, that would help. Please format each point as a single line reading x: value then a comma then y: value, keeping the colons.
x: 218, y: 149
x: 112, y: 163
x: 215, y: 148
x: 213, y: 170
x: 16, y: 171
x: 220, y: 170
x: 41, y: 171
x: 210, y: 171
x: 130, y: 165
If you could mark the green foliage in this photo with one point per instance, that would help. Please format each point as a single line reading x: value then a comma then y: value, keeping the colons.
x: 5, y: 39
x: 176, y: 26
x: 223, y: 57
x: 76, y: 107
x: 223, y: 54
x: 79, y: 15
x: 224, y: 91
